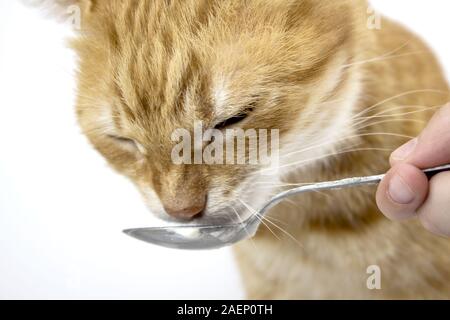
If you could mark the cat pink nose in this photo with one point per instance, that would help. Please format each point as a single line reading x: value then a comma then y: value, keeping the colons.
x: 185, y: 211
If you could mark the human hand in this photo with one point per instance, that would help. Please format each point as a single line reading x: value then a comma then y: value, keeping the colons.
x: 405, y: 192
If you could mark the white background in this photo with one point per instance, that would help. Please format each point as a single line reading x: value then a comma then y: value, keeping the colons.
x: 62, y: 209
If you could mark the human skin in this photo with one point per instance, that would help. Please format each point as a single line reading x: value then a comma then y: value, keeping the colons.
x: 406, y: 193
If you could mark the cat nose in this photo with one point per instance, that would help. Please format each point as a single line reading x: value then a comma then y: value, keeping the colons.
x: 185, y: 211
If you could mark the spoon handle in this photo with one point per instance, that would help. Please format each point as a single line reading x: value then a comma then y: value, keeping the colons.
x: 339, y: 184
x: 434, y: 171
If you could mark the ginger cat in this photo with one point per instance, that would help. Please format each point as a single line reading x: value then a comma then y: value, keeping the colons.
x: 343, y: 96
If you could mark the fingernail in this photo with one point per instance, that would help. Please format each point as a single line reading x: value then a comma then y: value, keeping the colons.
x: 405, y: 150
x: 399, y: 191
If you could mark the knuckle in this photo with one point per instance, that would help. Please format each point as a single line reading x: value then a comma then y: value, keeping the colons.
x: 444, y: 113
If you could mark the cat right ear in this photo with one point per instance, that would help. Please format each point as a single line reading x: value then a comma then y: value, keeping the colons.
x: 65, y: 11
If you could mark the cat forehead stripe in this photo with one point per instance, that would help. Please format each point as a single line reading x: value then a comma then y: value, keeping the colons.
x: 220, y: 96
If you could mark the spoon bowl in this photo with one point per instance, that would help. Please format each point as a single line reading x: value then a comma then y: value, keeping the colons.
x: 192, y: 237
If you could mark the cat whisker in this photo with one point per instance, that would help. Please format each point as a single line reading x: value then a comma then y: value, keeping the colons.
x: 329, y: 155
x: 369, y: 109
x: 393, y: 120
x: 384, y: 115
x: 256, y: 214
x: 242, y: 222
x: 285, y: 232
x: 283, y: 184
x: 386, y: 112
x: 393, y: 51
x: 348, y: 138
x: 276, y: 220
x: 382, y: 58
x: 262, y: 219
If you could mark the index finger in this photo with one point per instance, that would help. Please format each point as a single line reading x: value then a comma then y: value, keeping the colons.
x: 432, y: 147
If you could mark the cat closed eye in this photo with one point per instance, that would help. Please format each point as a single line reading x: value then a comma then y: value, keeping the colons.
x: 231, y: 121
x: 125, y: 142
x: 121, y: 139
x: 234, y: 120
x: 128, y: 144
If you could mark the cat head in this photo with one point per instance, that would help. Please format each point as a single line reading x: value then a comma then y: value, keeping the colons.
x: 154, y: 71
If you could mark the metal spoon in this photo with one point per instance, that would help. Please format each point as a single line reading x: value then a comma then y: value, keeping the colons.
x: 197, y: 237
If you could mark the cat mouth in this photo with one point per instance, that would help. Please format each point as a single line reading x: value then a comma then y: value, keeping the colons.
x: 225, y: 215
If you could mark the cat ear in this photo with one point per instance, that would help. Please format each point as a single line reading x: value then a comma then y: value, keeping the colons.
x: 66, y: 11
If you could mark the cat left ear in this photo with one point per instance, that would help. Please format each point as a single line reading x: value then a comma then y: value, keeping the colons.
x: 66, y: 11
